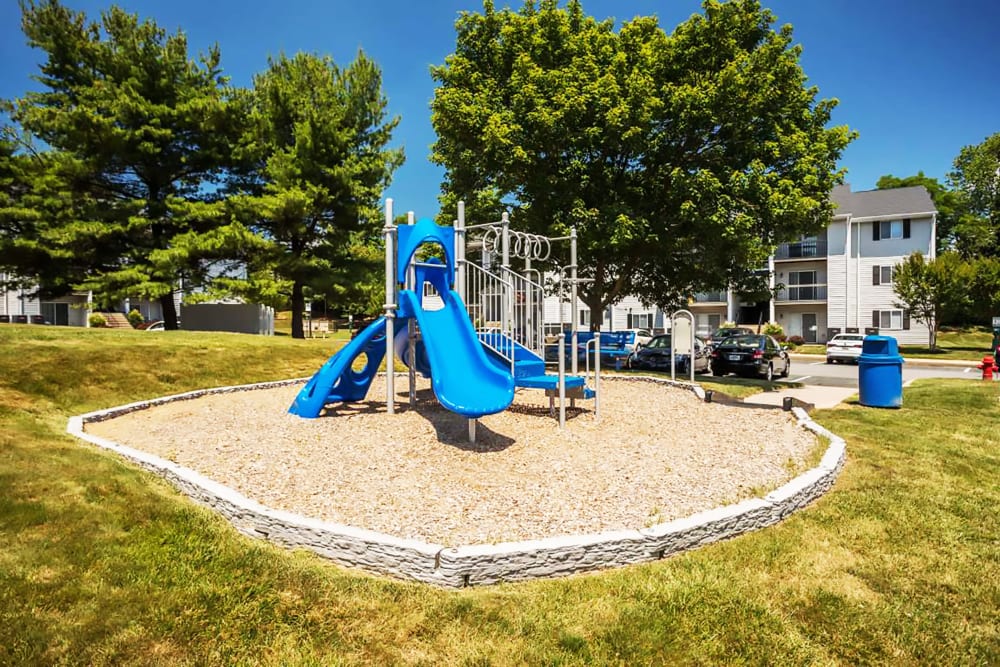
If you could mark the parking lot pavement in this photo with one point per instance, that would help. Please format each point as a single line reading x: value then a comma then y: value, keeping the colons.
x: 913, y: 361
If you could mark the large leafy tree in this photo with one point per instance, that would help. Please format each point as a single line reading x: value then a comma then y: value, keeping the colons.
x: 933, y: 290
x: 143, y: 132
x: 682, y: 160
x: 984, y: 289
x: 317, y: 161
x: 955, y: 229
x: 976, y: 176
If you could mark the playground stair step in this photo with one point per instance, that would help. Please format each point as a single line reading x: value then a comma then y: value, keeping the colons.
x: 548, y: 381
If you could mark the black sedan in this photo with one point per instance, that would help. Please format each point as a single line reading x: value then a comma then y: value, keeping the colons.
x: 656, y: 356
x: 751, y: 355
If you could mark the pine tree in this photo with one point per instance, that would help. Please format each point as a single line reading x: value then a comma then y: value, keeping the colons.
x: 316, y: 163
x: 141, y: 133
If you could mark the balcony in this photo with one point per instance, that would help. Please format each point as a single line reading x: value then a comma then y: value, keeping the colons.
x: 802, y: 293
x: 709, y: 297
x: 801, y: 250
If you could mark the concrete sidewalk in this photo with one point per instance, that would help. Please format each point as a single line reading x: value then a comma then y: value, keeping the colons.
x: 819, y: 396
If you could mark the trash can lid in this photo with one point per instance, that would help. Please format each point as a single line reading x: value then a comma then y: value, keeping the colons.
x: 879, y: 346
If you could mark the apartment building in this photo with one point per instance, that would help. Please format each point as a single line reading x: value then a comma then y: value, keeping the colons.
x: 840, y: 280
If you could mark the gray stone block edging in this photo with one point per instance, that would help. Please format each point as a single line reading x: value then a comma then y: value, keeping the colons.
x: 478, y: 564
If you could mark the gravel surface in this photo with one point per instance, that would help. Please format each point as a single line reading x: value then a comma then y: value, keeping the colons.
x: 658, y: 453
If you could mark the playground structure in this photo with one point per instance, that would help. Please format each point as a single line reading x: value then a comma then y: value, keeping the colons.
x: 475, y: 331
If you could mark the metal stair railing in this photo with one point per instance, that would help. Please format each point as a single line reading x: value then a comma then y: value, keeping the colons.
x: 528, y: 311
x: 487, y: 302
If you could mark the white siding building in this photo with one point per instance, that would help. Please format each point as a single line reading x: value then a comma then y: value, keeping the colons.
x: 871, y: 233
x: 841, y: 279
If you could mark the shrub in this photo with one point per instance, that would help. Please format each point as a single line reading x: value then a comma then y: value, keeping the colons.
x: 796, y: 340
x: 781, y: 338
x: 97, y: 321
x: 135, y: 318
x: 773, y: 329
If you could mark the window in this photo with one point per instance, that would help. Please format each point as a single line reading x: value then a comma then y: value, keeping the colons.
x: 891, y: 319
x: 801, y: 277
x: 584, y: 317
x: 802, y: 285
x: 882, y: 275
x: 707, y: 323
x: 640, y: 321
x: 891, y: 229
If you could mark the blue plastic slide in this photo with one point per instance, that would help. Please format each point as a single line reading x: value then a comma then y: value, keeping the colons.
x: 463, y: 378
x: 336, y: 380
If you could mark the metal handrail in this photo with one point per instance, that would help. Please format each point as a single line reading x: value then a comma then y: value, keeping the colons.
x: 485, y: 296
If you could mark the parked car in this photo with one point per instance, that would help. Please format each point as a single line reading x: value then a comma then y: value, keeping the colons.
x: 656, y: 356
x: 722, y: 334
x: 156, y: 325
x: 751, y: 355
x: 642, y: 337
x: 844, y: 347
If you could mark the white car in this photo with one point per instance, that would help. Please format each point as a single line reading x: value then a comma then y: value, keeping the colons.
x: 642, y: 337
x: 844, y: 347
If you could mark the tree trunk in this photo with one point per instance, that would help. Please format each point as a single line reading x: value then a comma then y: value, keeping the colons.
x: 596, y: 314
x: 298, y: 310
x: 169, y: 312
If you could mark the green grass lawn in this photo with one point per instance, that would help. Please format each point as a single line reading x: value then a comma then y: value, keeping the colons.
x: 103, y: 564
x: 962, y: 345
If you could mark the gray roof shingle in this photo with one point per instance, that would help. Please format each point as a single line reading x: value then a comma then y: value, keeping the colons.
x: 896, y: 202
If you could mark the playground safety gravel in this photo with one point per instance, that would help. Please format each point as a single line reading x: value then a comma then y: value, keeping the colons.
x: 658, y: 453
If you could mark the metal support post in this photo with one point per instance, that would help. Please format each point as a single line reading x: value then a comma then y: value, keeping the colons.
x: 472, y: 430
x: 460, y: 252
x: 411, y: 325
x: 390, y: 309
x: 597, y: 375
x: 574, y: 315
x: 562, y: 379
x: 507, y: 323
x: 529, y: 318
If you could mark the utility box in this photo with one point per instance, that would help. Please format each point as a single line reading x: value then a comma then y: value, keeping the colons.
x: 880, y: 373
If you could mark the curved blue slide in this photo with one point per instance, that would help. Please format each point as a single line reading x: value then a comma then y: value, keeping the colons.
x: 336, y: 380
x: 463, y: 378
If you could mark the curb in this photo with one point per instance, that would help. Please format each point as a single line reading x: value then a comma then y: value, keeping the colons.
x: 478, y: 564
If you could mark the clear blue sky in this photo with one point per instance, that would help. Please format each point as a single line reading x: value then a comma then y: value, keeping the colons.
x: 919, y: 79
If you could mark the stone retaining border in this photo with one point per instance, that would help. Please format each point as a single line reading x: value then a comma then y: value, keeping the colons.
x: 479, y: 564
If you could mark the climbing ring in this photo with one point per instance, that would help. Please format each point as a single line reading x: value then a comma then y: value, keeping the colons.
x: 522, y: 244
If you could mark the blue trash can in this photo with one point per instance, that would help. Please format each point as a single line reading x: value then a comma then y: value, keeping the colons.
x: 880, y: 373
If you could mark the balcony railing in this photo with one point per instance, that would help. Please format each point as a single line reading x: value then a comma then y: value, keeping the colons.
x: 802, y: 293
x: 710, y: 297
x: 801, y: 250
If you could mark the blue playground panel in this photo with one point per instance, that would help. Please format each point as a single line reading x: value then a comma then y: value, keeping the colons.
x: 616, y: 346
